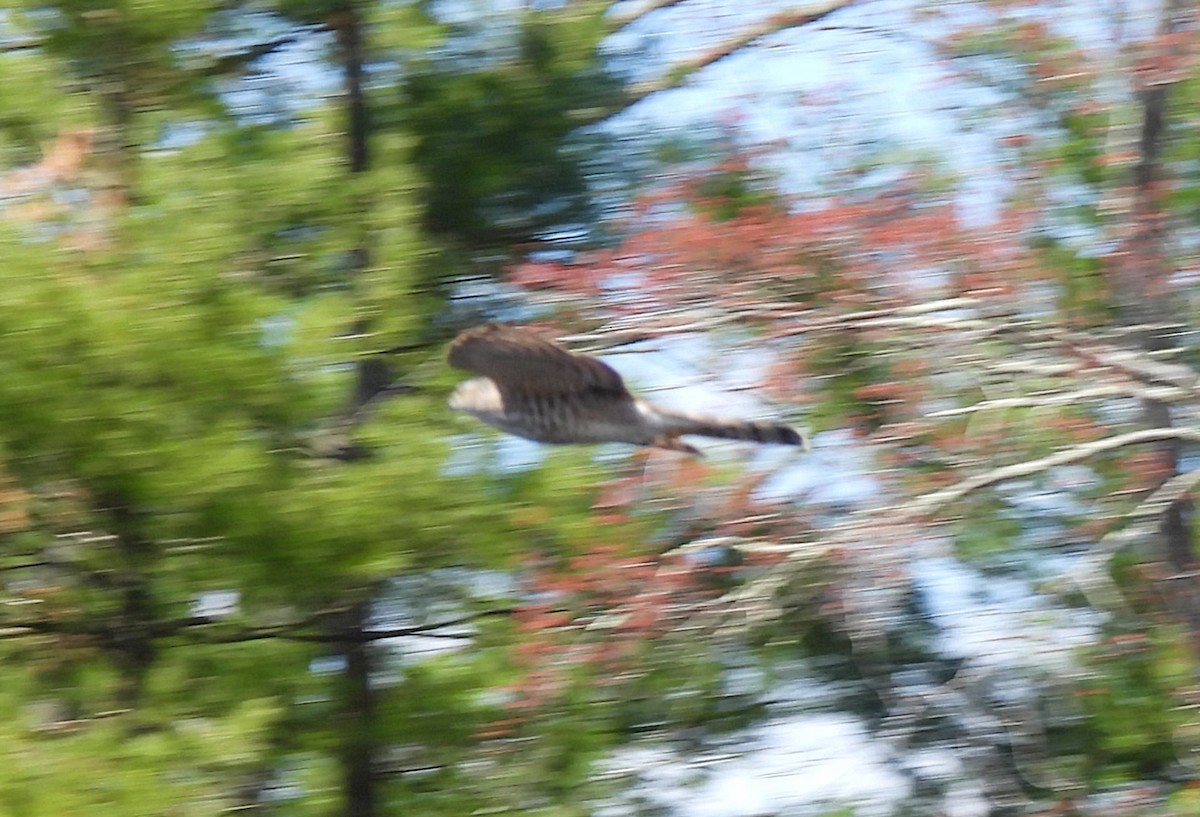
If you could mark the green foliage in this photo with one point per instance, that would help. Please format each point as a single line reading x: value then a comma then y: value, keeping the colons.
x: 35, y: 104
x: 157, y: 393
x: 177, y: 755
x: 494, y: 139
x: 680, y: 683
x: 1184, y: 151
x: 160, y: 388
x: 1083, y: 293
x: 1134, y: 720
x: 987, y: 531
x: 1185, y: 802
x: 850, y: 366
x: 128, y: 46
x: 1083, y: 145
x: 732, y: 189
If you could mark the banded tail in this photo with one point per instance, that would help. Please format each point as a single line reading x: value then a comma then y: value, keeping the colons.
x: 677, y: 424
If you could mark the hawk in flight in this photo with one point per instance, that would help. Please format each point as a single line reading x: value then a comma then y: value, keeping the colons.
x: 535, y: 388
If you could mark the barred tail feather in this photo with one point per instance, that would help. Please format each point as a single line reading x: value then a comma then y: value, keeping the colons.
x: 739, y: 430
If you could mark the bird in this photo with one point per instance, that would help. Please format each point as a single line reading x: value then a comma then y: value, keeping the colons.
x: 535, y: 388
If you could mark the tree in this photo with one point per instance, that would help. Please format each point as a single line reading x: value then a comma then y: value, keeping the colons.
x: 168, y: 367
x: 928, y: 338
x: 202, y: 476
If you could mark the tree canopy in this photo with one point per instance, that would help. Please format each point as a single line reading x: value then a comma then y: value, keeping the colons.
x: 251, y: 561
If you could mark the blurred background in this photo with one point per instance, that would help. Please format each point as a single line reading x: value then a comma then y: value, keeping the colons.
x: 250, y: 562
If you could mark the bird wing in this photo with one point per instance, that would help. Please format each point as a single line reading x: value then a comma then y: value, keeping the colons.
x: 519, y: 361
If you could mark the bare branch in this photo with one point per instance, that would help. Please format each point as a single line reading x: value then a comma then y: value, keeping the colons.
x: 682, y: 71
x: 430, y: 630
x: 649, y: 326
x: 906, y: 311
x: 233, y: 63
x: 207, y: 631
x: 29, y: 565
x: 1091, y: 574
x: 216, y: 66
x: 930, y: 503
x: 625, y: 18
x: 22, y: 44
x: 1140, y: 366
x: 1067, y: 398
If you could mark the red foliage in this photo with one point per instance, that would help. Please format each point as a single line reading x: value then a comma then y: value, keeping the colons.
x: 593, y: 610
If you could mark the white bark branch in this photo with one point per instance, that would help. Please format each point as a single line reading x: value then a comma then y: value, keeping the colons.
x: 929, y: 503
x: 1166, y: 394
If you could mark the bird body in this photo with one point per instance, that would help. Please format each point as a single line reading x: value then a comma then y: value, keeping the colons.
x: 595, y: 417
x: 536, y: 389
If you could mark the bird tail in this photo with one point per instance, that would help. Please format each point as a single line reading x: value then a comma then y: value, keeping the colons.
x: 737, y: 430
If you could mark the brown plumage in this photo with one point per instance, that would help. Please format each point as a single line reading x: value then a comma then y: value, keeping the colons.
x: 535, y: 388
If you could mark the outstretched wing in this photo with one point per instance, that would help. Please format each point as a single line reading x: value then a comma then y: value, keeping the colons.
x: 521, y: 362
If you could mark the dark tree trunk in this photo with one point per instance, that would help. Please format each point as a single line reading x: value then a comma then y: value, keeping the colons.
x: 373, y: 374
x: 132, y: 641
x: 1144, y: 302
x: 358, y: 748
x: 351, y: 45
x: 357, y: 727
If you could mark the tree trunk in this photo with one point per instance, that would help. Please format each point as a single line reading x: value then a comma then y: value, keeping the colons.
x: 372, y: 374
x: 1146, y: 306
x: 357, y: 727
x: 133, y: 641
x: 349, y: 28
